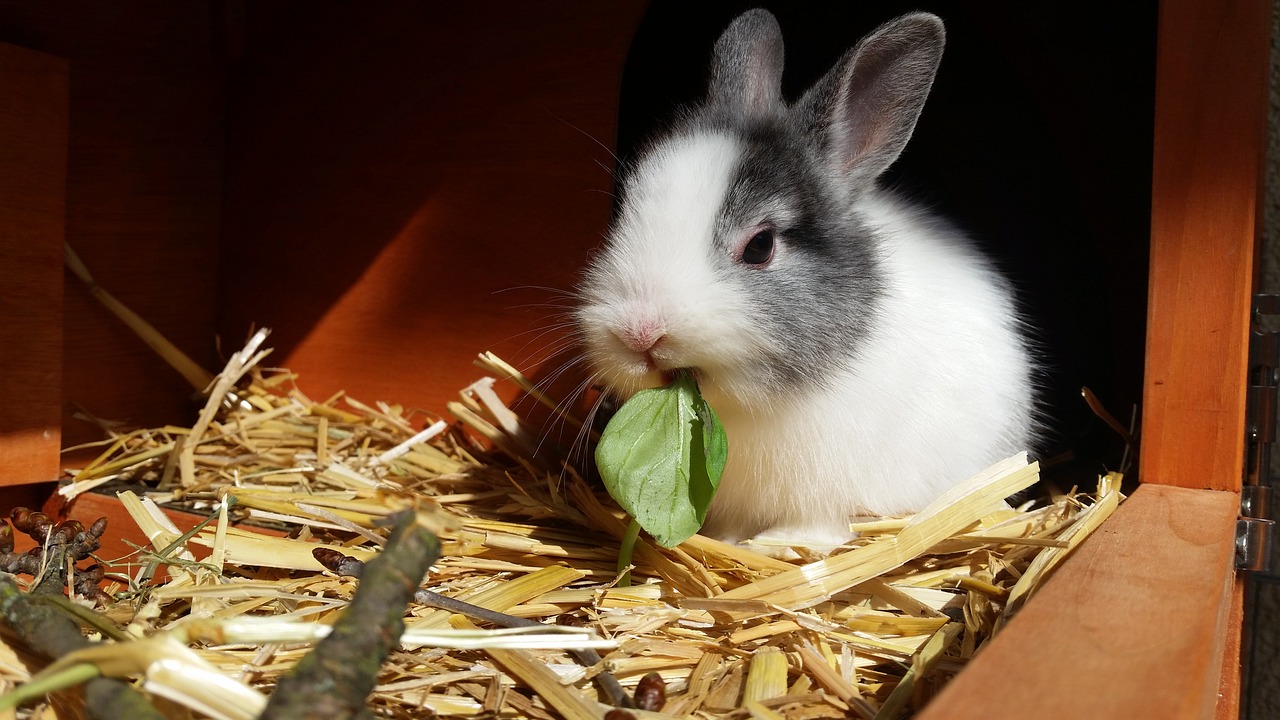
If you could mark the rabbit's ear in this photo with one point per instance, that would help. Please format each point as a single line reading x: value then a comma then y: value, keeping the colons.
x: 865, y: 109
x: 746, y: 67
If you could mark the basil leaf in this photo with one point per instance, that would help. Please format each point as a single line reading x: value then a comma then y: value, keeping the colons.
x: 709, y: 442
x: 661, y: 458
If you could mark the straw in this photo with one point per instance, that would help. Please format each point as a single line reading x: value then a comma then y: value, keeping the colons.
x: 871, y: 628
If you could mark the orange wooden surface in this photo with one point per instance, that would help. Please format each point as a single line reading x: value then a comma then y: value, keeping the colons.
x: 144, y: 190
x: 1211, y: 94
x: 33, y: 189
x: 1131, y: 626
x: 400, y: 174
x: 1229, y: 681
x: 1210, y: 137
x: 380, y: 184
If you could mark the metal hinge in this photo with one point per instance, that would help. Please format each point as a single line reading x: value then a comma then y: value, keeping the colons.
x: 1254, y: 528
x: 1253, y: 544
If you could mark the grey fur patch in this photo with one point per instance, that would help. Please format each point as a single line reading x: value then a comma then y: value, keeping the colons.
x: 821, y: 297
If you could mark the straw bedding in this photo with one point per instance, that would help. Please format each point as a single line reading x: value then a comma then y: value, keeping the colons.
x: 871, y: 631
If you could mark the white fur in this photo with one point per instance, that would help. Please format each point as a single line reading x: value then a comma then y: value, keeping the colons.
x: 659, y: 268
x: 940, y: 389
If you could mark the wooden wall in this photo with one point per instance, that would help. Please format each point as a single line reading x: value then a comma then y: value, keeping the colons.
x: 1210, y: 138
x: 398, y: 174
x: 143, y: 196
x: 373, y: 182
x: 33, y: 189
x: 394, y: 187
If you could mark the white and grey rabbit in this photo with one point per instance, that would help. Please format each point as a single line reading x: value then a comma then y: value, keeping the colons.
x: 862, y: 356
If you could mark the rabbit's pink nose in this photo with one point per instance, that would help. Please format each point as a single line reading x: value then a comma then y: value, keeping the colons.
x: 641, y: 337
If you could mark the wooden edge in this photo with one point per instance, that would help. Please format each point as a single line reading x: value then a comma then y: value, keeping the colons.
x: 1132, y: 625
x: 1231, y: 676
x: 1210, y: 136
x: 34, y: 111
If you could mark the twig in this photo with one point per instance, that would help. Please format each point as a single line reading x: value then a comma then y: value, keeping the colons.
x: 53, y: 634
x: 351, y: 567
x: 333, y: 680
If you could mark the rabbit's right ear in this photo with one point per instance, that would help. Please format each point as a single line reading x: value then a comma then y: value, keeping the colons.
x: 746, y: 68
x: 866, y: 108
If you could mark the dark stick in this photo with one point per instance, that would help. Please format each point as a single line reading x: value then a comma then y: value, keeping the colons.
x: 351, y: 567
x: 335, y: 679
x: 586, y: 657
x: 51, y: 633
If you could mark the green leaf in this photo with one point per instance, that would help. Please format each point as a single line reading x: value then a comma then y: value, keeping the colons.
x: 661, y: 458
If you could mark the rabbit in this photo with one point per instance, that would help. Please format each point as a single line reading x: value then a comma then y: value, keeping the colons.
x: 861, y: 354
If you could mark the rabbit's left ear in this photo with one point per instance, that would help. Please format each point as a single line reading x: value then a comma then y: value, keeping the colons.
x: 746, y: 67
x: 865, y: 109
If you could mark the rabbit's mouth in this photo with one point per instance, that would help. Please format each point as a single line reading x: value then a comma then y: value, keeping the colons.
x: 669, y: 376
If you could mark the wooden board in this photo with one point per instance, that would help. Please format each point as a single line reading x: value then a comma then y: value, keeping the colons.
x: 1211, y: 94
x: 144, y: 193
x: 33, y: 192
x: 1131, y: 626
x: 1231, y: 676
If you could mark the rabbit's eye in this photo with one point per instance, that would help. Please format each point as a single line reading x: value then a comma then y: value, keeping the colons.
x: 759, y: 249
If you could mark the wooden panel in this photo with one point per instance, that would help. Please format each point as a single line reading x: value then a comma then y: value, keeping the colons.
x: 401, y: 174
x: 33, y: 177
x: 1131, y: 626
x: 1230, y: 679
x: 1211, y: 93
x: 144, y: 192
